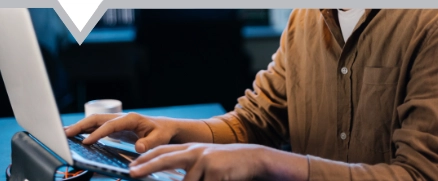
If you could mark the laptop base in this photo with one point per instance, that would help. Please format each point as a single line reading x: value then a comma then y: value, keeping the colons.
x: 32, y: 161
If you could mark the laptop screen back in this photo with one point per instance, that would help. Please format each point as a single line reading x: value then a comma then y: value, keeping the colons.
x: 27, y: 82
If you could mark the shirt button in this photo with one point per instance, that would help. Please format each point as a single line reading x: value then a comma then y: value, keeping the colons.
x: 343, y: 136
x: 344, y: 70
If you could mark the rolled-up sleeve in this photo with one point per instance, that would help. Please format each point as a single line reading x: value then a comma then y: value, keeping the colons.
x: 415, y: 141
x: 261, y: 114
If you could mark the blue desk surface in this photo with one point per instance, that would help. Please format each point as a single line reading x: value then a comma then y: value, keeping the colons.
x: 9, y: 126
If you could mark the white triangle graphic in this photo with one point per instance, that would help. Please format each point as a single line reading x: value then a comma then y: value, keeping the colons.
x: 80, y: 11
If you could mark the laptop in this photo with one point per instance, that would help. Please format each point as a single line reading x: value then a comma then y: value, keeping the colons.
x: 34, y: 106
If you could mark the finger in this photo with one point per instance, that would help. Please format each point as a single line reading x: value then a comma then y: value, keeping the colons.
x: 173, y: 160
x: 125, y: 122
x: 88, y: 122
x: 157, y: 152
x: 195, y: 172
x: 89, y: 130
x: 150, y: 141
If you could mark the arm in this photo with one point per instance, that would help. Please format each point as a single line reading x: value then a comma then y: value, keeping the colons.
x: 261, y: 114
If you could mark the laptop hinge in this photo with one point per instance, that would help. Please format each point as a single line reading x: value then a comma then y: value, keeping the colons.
x: 31, y: 161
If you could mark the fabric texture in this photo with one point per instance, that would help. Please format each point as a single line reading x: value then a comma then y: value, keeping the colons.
x: 365, y: 109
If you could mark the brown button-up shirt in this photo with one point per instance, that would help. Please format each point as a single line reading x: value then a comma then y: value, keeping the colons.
x: 361, y: 109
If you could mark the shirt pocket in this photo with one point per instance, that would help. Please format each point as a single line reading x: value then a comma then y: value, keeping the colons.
x: 381, y: 75
x: 375, y: 110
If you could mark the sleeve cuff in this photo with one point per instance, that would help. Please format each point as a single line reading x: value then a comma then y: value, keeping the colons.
x: 227, y: 129
x: 324, y: 169
x: 221, y: 132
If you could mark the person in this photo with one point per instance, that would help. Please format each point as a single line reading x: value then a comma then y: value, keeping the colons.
x: 354, y: 94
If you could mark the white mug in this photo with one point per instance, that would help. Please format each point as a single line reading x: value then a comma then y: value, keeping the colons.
x: 102, y: 106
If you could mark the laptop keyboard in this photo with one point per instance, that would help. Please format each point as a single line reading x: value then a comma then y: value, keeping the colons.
x: 96, y: 152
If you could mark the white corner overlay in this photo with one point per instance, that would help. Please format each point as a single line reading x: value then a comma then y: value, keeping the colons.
x: 80, y: 11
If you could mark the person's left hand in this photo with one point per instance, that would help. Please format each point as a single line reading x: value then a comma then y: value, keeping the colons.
x: 204, y: 161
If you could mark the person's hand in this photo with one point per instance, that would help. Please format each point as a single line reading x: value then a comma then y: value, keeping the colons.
x: 151, y: 132
x: 212, y: 162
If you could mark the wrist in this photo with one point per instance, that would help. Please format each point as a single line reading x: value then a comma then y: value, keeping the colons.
x: 264, y: 171
x: 186, y: 130
x: 168, y: 126
x: 179, y: 129
x: 281, y: 165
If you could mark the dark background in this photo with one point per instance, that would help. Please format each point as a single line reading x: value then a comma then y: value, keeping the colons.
x: 154, y: 58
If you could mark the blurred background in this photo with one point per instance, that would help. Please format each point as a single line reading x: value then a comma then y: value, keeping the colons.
x: 154, y: 58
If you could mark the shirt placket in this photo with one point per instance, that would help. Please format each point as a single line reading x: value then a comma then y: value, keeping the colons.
x: 343, y: 87
x: 344, y: 78
x: 345, y: 106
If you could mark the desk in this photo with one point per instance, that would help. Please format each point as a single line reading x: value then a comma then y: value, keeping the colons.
x: 9, y: 126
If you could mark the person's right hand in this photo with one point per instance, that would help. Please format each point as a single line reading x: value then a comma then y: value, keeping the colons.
x: 151, y: 131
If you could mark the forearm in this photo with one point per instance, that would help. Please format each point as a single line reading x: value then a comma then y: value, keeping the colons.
x: 188, y: 130
x: 324, y: 169
x: 281, y: 165
x: 213, y: 130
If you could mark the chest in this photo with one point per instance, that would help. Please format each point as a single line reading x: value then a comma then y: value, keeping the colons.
x: 345, y: 98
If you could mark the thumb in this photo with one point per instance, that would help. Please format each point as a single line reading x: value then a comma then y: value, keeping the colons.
x: 150, y: 141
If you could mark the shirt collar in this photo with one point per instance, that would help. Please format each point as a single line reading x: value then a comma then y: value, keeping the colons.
x: 331, y: 19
